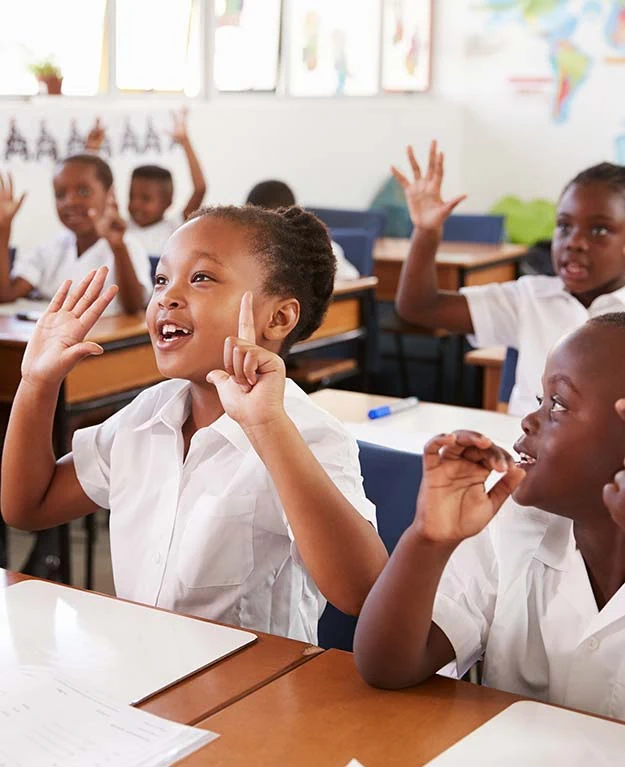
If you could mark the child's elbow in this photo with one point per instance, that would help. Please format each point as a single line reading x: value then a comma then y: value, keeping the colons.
x: 382, y: 674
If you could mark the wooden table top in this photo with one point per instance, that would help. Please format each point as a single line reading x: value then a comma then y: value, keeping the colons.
x: 14, y: 332
x: 324, y: 714
x: 460, y: 254
x: 224, y: 682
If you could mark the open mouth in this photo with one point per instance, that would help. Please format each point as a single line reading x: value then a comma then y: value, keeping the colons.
x: 574, y: 271
x: 171, y: 334
x: 525, y: 459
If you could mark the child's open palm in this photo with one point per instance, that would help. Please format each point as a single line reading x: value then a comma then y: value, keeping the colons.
x: 179, y: 131
x: 96, y: 136
x: 453, y: 503
x: 427, y: 209
x: 58, y: 341
x: 9, y: 205
x: 251, y: 386
x: 109, y: 224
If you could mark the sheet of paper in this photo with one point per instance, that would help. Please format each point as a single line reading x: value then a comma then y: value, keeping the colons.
x: 23, y: 305
x: 48, y: 722
x: 125, y: 650
x: 379, y: 433
x: 530, y: 733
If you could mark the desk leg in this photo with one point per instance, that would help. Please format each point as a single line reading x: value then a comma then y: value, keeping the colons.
x: 50, y: 555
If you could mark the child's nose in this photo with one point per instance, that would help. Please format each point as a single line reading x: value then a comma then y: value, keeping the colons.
x: 577, y: 239
x: 171, y: 297
x: 529, y: 424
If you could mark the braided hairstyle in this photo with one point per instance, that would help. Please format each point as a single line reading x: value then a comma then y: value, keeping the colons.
x: 295, y: 251
x: 613, y: 176
x: 611, y: 319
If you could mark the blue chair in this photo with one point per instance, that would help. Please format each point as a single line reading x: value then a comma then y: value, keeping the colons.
x: 488, y: 229
x: 358, y: 245
x: 391, y: 481
x: 153, y: 264
x: 508, y: 375
x: 335, y: 218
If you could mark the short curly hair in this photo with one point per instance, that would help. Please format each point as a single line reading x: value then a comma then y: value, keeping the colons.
x: 102, y: 169
x: 296, y: 253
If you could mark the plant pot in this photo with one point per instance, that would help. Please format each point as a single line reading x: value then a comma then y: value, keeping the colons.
x: 52, y: 84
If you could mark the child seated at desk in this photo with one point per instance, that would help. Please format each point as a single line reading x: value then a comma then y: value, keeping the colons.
x: 94, y: 235
x: 232, y: 496
x: 539, y: 592
x: 152, y: 190
x: 531, y: 313
x: 276, y: 194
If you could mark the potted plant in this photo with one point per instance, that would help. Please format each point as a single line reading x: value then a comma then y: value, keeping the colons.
x: 49, y: 75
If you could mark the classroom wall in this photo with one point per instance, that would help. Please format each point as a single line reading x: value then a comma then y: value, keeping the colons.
x: 499, y: 137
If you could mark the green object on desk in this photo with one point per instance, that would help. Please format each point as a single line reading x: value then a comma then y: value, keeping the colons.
x: 526, y: 222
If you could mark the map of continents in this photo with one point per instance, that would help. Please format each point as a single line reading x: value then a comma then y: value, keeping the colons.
x: 561, y: 24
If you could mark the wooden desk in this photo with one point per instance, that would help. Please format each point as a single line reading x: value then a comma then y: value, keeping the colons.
x: 457, y: 264
x: 427, y: 417
x: 323, y: 714
x: 226, y: 681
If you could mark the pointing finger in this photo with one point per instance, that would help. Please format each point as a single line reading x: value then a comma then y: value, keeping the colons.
x: 247, y: 332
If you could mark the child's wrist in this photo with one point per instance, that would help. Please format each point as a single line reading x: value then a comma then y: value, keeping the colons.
x: 274, y: 427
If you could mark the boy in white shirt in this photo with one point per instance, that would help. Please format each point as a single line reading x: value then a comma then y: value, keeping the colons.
x: 230, y: 497
x: 152, y: 190
x: 94, y: 235
x: 539, y: 592
x: 533, y: 312
x: 274, y: 194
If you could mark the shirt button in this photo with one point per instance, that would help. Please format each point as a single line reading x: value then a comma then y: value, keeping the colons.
x: 593, y: 643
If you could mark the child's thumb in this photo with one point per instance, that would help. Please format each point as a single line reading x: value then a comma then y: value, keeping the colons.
x: 620, y: 407
x: 217, y: 377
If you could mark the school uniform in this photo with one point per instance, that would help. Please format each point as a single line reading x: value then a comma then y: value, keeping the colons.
x: 46, y: 267
x: 530, y: 314
x: 519, y: 594
x: 208, y: 535
x: 154, y: 236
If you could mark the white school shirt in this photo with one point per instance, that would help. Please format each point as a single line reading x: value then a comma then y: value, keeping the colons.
x: 209, y: 536
x: 154, y: 236
x: 345, y: 270
x: 48, y: 266
x: 519, y: 592
x: 530, y: 314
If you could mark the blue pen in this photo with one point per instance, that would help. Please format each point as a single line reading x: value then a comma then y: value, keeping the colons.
x: 395, y: 407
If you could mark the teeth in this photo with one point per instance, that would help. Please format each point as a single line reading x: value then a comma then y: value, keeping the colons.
x: 525, y: 458
x: 169, y: 329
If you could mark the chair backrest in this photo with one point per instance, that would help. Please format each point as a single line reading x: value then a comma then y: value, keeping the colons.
x: 508, y: 375
x: 153, y: 264
x: 358, y: 246
x: 488, y: 229
x: 391, y: 482
x: 371, y: 220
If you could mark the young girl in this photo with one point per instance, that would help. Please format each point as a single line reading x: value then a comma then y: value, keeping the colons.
x: 531, y: 313
x: 94, y: 235
x: 539, y: 592
x: 232, y: 496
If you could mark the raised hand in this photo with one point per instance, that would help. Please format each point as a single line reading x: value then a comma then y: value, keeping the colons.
x: 109, y: 224
x: 9, y: 206
x: 179, y: 131
x: 614, y: 492
x: 58, y: 341
x: 251, y: 386
x: 453, y: 503
x: 96, y: 136
x: 427, y: 209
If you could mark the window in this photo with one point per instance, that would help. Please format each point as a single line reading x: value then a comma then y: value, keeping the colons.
x: 34, y: 31
x: 247, y: 44
x: 157, y: 46
x: 334, y: 47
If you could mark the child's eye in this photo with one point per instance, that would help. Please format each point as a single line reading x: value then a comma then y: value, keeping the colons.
x: 540, y: 400
x: 599, y: 231
x: 563, y: 227
x: 202, y: 277
x: 160, y: 279
x: 84, y: 191
x: 557, y: 406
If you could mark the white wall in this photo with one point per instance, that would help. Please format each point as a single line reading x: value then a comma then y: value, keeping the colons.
x: 337, y: 151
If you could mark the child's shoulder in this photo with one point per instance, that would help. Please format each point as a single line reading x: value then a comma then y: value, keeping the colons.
x: 312, y: 421
x: 540, y: 285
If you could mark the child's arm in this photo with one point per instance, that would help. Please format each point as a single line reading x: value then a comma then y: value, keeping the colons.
x: 418, y: 298
x: 341, y: 550
x: 10, y: 289
x: 112, y: 227
x: 396, y: 643
x: 37, y: 491
x: 614, y: 492
x: 180, y: 135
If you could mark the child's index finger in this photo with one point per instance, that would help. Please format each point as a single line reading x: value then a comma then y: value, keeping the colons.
x: 247, y: 331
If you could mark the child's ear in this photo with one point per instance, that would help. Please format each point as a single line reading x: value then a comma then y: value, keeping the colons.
x: 284, y: 318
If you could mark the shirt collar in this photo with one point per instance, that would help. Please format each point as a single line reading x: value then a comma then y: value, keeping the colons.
x: 557, y: 544
x: 554, y: 286
x: 175, y: 411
